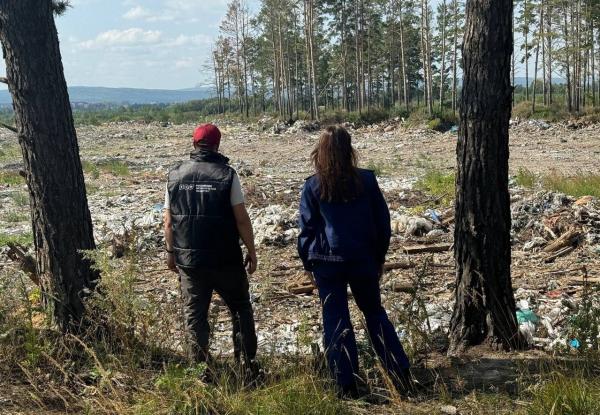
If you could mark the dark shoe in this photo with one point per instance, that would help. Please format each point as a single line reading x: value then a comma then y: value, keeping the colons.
x: 253, y: 374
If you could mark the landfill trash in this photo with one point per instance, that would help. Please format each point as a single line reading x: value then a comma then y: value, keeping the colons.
x: 449, y: 410
x: 275, y: 225
x: 434, y: 215
x: 158, y: 207
x: 303, y: 126
x: 574, y: 343
x: 454, y: 129
x: 536, y: 242
x: 411, y: 225
x: 527, y: 330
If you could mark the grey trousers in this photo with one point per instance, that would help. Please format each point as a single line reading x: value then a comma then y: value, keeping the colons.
x: 197, y: 288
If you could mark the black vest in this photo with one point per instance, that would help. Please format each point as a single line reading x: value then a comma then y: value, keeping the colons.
x: 205, y: 234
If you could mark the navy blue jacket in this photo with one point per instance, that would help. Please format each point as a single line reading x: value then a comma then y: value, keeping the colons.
x: 346, y: 231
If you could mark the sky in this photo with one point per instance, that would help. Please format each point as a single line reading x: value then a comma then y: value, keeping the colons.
x: 156, y: 44
x: 160, y: 44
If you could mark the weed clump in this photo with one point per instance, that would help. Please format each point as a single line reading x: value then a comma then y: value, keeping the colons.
x: 581, y: 184
x: 525, y: 178
x: 439, y: 184
x: 566, y: 395
x: 11, y: 178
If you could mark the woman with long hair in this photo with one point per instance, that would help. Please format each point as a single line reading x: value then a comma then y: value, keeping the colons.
x: 344, y: 237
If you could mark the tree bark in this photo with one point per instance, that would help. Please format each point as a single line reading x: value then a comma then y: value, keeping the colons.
x: 61, y: 220
x: 484, y: 308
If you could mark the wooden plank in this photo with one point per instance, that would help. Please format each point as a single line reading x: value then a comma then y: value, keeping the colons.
x: 562, y: 252
x: 421, y: 249
x: 569, y: 238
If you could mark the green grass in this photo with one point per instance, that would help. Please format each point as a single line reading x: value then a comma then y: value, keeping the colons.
x: 13, y: 216
x: 566, y: 395
x: 437, y: 183
x: 10, y: 153
x: 12, y: 178
x: 114, y: 167
x: 525, y: 178
x: 21, y: 239
x: 582, y: 184
x: 376, y: 168
x: 179, y: 391
x: 21, y: 199
x: 90, y: 169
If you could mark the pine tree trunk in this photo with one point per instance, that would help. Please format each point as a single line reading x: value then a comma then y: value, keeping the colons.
x: 61, y: 219
x: 443, y: 66
x: 484, y: 303
x: 403, y: 60
x: 454, y: 57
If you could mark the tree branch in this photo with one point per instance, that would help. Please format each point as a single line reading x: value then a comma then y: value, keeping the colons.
x: 60, y: 6
x: 4, y: 80
x: 10, y: 127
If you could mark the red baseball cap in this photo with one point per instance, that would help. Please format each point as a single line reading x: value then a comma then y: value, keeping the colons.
x: 207, y: 134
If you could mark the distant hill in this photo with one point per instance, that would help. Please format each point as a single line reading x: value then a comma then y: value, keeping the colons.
x: 102, y: 95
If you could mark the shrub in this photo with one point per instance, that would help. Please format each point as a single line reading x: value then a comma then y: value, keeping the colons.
x: 525, y: 178
x: 90, y: 168
x: 438, y: 184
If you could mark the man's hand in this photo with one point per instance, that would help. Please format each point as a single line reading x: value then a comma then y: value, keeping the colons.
x: 171, y: 262
x: 251, y: 263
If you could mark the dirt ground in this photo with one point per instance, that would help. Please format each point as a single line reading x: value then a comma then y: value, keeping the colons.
x: 272, y: 170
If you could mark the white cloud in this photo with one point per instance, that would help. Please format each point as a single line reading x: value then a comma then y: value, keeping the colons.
x: 140, y: 13
x: 137, y: 12
x: 129, y: 37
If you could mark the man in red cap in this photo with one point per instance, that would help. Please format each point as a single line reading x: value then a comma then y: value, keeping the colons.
x: 205, y: 217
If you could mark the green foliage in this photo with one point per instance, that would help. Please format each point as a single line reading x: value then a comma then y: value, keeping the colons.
x: 525, y: 178
x: 21, y: 239
x: 581, y: 184
x: 566, y: 395
x: 14, y: 216
x: 585, y: 324
x: 377, y: 168
x: 10, y: 153
x: 114, y: 167
x: 553, y: 113
x: 90, y: 169
x: 11, y: 178
x: 438, y: 184
x: 179, y: 390
x: 21, y: 199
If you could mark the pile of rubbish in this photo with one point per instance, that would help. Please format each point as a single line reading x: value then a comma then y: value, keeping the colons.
x: 556, y: 223
x: 431, y: 224
x: 131, y: 229
x: 549, y: 226
x: 275, y: 225
x: 296, y: 127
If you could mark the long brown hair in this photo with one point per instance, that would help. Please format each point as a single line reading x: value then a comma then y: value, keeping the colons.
x: 335, y: 163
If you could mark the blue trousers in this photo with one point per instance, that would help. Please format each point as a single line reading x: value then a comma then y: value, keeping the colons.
x: 339, y: 339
